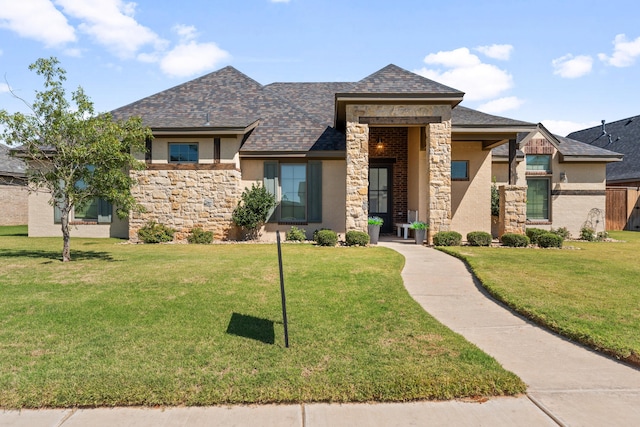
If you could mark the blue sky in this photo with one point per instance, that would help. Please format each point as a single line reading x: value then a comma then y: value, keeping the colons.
x: 567, y: 64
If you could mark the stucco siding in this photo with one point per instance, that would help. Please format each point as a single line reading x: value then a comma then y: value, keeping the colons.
x: 13, y: 205
x: 471, y: 200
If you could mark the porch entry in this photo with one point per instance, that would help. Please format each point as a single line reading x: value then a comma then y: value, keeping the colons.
x: 381, y: 195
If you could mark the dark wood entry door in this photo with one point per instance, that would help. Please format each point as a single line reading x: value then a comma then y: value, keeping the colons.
x: 381, y: 194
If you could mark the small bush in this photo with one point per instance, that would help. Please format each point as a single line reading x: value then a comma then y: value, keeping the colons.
x: 534, y: 233
x: 253, y: 210
x: 447, y: 238
x: 562, y: 232
x: 549, y: 240
x: 153, y: 232
x: 356, y: 238
x: 315, y: 233
x: 588, y: 234
x: 515, y: 240
x: 602, y: 235
x: 479, y: 238
x: 296, y: 234
x: 199, y: 236
x: 326, y: 238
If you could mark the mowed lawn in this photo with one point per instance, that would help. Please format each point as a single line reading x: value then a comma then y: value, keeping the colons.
x: 590, y: 293
x: 177, y: 324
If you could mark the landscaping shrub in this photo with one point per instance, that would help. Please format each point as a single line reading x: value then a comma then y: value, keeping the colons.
x: 562, y: 232
x: 588, y: 234
x: 296, y: 234
x: 253, y: 210
x: 479, y: 238
x: 534, y: 233
x: 602, y: 235
x: 199, y: 236
x: 357, y: 238
x: 515, y: 240
x: 153, y: 232
x: 447, y: 238
x: 549, y: 240
x: 326, y: 238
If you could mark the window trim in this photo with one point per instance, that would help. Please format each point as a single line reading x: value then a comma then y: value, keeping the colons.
x: 547, y: 171
x: 173, y: 144
x: 466, y: 170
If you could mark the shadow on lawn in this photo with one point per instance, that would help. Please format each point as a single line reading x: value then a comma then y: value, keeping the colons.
x: 56, y: 255
x: 251, y: 327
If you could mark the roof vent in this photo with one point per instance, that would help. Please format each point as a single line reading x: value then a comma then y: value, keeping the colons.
x: 604, y: 128
x: 208, y: 123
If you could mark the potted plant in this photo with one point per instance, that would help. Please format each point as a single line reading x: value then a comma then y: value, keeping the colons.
x: 420, y: 231
x: 375, y: 222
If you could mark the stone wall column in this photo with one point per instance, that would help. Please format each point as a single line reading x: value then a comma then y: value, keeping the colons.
x: 513, y: 209
x: 357, y: 176
x: 439, y: 177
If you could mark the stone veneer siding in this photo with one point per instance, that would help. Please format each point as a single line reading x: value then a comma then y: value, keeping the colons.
x: 513, y: 209
x: 438, y: 162
x: 185, y: 199
x: 394, y: 140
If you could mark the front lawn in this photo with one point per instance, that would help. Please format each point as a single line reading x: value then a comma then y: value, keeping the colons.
x: 130, y: 324
x: 590, y: 294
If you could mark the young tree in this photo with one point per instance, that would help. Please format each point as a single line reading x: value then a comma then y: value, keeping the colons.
x: 72, y: 152
x: 253, y: 210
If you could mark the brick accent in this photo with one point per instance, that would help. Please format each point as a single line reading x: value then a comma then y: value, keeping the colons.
x: 14, y: 202
x: 394, y: 141
x: 538, y: 146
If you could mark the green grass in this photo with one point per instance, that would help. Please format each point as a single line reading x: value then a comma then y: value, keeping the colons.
x: 201, y: 324
x: 590, y: 293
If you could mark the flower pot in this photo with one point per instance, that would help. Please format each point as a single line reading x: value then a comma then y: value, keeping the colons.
x: 374, y: 234
x: 420, y: 236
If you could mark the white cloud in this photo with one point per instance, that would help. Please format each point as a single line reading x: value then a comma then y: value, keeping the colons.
x: 497, y: 51
x: 38, y: 20
x: 4, y: 88
x: 187, y: 59
x: 111, y: 23
x: 468, y: 73
x: 565, y: 127
x: 625, y: 52
x: 501, y: 105
x: 185, y: 32
x: 571, y: 67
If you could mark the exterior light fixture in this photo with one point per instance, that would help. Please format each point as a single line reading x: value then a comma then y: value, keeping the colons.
x: 379, y: 145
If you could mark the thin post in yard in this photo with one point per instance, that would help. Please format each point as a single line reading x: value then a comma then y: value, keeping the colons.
x: 284, y: 301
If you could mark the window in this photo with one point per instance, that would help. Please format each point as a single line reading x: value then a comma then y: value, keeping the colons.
x: 538, y: 199
x: 148, y: 147
x: 183, y: 153
x: 97, y: 210
x: 539, y: 162
x: 298, y: 190
x: 460, y: 170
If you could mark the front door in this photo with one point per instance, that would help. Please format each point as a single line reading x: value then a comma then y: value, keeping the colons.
x: 380, y: 194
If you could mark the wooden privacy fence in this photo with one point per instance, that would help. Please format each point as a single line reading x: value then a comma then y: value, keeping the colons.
x: 623, y: 208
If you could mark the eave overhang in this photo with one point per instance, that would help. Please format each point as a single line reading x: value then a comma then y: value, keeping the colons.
x: 490, y: 136
x: 325, y: 154
x: 204, y: 130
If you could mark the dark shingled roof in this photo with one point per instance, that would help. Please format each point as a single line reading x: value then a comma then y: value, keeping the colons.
x: 463, y: 116
x: 10, y: 165
x: 393, y: 79
x: 625, y: 139
x: 227, y: 95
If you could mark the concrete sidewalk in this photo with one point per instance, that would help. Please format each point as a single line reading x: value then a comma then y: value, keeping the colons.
x: 568, y: 384
x: 574, y: 385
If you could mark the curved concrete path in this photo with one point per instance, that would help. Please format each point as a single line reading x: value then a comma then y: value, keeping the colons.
x: 568, y: 384
x: 574, y: 385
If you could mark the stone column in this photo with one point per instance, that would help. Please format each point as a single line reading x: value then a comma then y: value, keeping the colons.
x: 513, y: 209
x: 439, y: 177
x: 357, y: 176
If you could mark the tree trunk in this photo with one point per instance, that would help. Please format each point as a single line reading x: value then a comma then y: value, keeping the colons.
x: 64, y: 220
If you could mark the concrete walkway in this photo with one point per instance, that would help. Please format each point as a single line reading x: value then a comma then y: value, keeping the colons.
x: 568, y: 384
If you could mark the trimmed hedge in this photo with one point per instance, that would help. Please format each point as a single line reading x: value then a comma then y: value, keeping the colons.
x: 356, y: 238
x: 534, y: 233
x: 479, y: 238
x: 296, y: 234
x: 152, y: 232
x: 550, y: 240
x: 326, y: 238
x: 199, y: 236
x: 447, y: 238
x: 515, y: 240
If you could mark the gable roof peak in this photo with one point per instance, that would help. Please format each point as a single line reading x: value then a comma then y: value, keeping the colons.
x: 394, y: 79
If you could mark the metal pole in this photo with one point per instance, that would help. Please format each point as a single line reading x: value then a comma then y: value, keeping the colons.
x: 284, y: 301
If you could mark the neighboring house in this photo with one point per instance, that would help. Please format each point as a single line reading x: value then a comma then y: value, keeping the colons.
x: 565, y: 178
x: 622, y: 136
x: 332, y: 154
x: 13, y: 190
